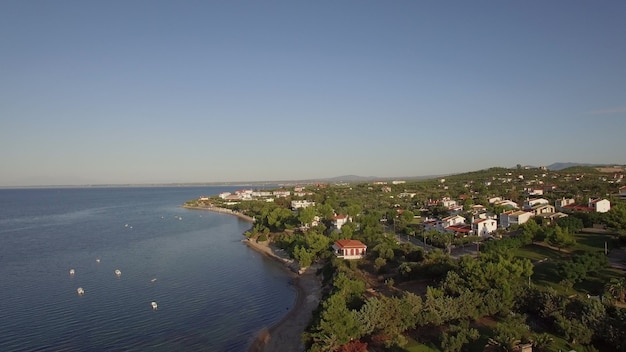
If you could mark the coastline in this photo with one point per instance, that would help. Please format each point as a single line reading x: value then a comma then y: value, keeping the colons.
x: 222, y: 211
x: 284, y: 335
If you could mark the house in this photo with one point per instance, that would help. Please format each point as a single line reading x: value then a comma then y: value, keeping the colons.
x: 530, y: 203
x: 282, y: 194
x: 597, y: 205
x: 542, y: 209
x: 559, y: 204
x: 600, y: 205
x: 340, y: 220
x: 477, y: 209
x: 484, y: 227
x: 301, y: 204
x: 492, y: 200
x: 507, y: 204
x: 349, y: 249
x: 514, y: 217
x: 452, y: 220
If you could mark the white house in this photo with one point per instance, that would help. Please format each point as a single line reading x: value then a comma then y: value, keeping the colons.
x: 492, y: 200
x: 563, y: 202
x: 349, y: 249
x: 543, y: 209
x: 484, y: 227
x: 340, y: 220
x: 452, y: 220
x: 600, y: 205
x: 298, y: 204
x: 282, y: 194
x: 514, y: 217
x: 507, y: 203
x: 530, y: 203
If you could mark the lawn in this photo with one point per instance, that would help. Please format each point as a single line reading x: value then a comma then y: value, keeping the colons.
x: 592, y: 241
x: 536, y: 252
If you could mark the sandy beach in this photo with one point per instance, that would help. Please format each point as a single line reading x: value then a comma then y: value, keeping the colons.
x: 285, y: 335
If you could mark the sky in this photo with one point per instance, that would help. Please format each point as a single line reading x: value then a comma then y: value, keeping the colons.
x: 118, y: 92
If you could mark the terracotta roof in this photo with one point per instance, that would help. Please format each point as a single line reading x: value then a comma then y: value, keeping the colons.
x: 459, y: 228
x: 350, y: 244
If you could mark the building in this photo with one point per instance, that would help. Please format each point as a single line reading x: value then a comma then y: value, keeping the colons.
x: 597, y: 205
x: 563, y: 202
x: 301, y: 204
x: 530, y: 203
x: 600, y: 205
x: 484, y: 227
x: 514, y: 217
x: 349, y: 249
x: 340, y: 220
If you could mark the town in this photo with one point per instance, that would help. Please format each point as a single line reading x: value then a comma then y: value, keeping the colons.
x: 502, y: 259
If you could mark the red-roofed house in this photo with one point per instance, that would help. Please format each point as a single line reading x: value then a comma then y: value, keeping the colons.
x: 349, y: 249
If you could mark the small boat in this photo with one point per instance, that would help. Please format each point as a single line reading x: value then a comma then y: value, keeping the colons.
x: 154, y: 305
x: 72, y: 272
x: 118, y: 272
x: 153, y: 280
x: 98, y: 260
x: 80, y: 291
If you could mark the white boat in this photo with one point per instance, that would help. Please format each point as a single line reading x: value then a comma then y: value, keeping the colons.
x: 72, y: 272
x: 80, y: 291
x: 118, y: 272
x: 98, y: 260
x: 154, y: 305
x: 153, y: 280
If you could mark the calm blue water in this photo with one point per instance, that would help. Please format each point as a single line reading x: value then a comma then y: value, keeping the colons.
x: 213, y: 292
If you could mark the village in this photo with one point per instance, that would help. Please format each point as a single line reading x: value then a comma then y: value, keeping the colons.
x: 407, y: 242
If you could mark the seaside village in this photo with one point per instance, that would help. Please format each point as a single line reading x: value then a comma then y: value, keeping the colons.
x: 481, y: 222
x: 504, y: 259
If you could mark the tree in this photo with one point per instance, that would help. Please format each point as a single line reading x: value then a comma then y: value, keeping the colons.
x: 617, y: 288
x: 303, y: 256
x: 337, y: 326
x: 560, y: 238
x: 457, y: 336
x: 307, y: 215
x: 542, y: 342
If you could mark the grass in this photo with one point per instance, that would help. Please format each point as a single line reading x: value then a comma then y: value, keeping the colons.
x: 535, y: 252
x: 592, y: 241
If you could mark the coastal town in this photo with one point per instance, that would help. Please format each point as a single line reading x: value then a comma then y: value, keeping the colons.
x: 502, y: 259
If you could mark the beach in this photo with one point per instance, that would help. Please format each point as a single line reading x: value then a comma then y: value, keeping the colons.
x: 285, y: 335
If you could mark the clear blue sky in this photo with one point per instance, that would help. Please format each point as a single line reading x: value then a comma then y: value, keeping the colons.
x: 211, y: 91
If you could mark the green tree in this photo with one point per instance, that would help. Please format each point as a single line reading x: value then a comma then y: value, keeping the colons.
x: 303, y: 256
x: 337, y: 326
x: 560, y: 238
x: 306, y: 215
x: 616, y: 287
x: 457, y: 336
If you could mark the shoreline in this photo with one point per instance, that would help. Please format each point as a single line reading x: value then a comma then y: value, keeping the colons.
x: 222, y: 211
x: 285, y: 334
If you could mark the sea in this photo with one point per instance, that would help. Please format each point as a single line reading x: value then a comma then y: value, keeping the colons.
x: 213, y: 293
